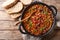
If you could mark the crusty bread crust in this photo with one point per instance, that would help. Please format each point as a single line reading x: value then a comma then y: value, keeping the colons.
x: 10, y: 5
x: 14, y: 16
x: 26, y: 2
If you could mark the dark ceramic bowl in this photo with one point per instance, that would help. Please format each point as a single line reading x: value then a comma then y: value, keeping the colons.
x: 54, y: 12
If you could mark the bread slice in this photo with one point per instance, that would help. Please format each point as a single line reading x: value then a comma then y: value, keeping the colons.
x: 14, y: 16
x: 9, y: 3
x: 15, y: 9
x: 26, y: 2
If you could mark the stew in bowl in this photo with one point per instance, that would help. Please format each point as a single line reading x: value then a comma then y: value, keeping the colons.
x: 41, y: 21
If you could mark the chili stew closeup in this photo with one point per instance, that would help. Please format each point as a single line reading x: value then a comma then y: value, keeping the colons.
x: 41, y: 20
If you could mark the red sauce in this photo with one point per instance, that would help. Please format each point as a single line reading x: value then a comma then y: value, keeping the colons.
x: 41, y: 20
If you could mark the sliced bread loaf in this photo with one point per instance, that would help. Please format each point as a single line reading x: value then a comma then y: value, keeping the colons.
x: 15, y: 9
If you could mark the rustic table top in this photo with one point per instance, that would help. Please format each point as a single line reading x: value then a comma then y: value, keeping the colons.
x: 7, y: 29
x: 10, y: 32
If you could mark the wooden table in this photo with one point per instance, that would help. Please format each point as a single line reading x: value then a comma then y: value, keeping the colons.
x: 7, y: 29
x: 10, y: 32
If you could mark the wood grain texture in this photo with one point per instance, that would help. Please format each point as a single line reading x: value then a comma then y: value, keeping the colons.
x: 4, y: 16
x: 10, y: 35
x: 56, y: 36
x: 7, y: 25
x: 7, y: 29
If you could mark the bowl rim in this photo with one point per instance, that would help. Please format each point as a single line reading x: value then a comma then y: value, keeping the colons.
x: 53, y: 25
